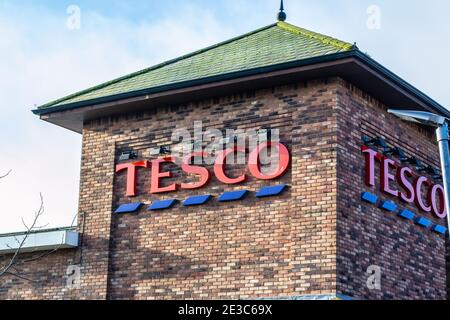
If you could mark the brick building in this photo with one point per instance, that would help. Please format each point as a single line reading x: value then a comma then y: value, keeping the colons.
x: 359, y: 195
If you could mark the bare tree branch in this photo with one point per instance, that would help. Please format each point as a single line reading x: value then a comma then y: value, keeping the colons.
x: 13, y: 261
x: 24, y: 224
x: 11, y: 268
x: 41, y: 256
x: 17, y: 241
x: 7, y: 174
x: 19, y: 274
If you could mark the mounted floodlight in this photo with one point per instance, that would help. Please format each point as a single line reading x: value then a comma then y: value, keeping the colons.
x: 434, y: 173
x: 417, y: 163
x: 128, y: 155
x: 376, y: 142
x: 396, y: 152
x: 414, y: 161
x: 165, y: 150
x: 439, y: 122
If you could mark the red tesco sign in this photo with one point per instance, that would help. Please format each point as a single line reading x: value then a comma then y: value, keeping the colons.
x: 413, y: 188
x: 157, y: 175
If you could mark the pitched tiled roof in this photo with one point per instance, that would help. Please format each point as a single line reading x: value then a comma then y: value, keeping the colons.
x: 272, y: 45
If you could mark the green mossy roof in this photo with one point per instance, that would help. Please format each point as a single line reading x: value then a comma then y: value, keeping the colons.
x: 272, y: 45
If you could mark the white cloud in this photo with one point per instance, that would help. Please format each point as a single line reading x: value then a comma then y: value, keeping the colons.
x: 43, y: 60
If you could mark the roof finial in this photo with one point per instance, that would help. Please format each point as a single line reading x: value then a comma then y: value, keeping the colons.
x: 282, y: 15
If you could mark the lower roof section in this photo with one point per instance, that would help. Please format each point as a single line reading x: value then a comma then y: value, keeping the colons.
x: 353, y: 66
x: 43, y: 240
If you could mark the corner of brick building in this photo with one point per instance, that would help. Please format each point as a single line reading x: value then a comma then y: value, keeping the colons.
x: 412, y: 260
x: 95, y: 207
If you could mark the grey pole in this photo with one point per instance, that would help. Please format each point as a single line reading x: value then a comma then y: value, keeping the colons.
x: 443, y: 139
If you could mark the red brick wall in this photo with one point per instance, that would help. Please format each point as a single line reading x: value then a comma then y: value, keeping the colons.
x: 448, y: 268
x: 96, y: 192
x: 411, y: 258
x: 318, y: 238
x: 41, y: 279
x: 248, y: 249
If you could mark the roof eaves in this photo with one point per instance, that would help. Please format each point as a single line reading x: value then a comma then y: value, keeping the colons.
x: 401, y: 83
x: 355, y: 53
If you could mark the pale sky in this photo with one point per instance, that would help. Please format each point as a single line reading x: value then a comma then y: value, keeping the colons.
x: 41, y: 59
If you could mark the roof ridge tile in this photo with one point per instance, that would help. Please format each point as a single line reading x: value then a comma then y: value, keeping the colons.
x: 315, y: 35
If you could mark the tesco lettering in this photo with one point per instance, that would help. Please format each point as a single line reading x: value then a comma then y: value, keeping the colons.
x: 157, y: 175
x: 403, y: 183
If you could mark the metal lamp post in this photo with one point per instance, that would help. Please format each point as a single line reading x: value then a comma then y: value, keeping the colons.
x: 439, y: 122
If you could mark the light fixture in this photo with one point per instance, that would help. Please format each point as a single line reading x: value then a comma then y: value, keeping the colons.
x: 439, y: 122
x: 425, y: 118
x: 128, y: 155
x: 417, y: 163
x: 414, y: 161
x: 424, y: 169
x: 433, y: 172
x: 396, y: 152
x: 375, y: 142
x: 165, y: 150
